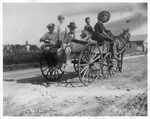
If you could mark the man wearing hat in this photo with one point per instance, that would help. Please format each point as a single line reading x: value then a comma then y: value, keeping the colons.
x: 67, y: 43
x: 101, y: 33
x: 88, y: 27
x: 50, y: 38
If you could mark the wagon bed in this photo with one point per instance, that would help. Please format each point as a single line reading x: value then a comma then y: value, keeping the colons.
x: 91, y: 61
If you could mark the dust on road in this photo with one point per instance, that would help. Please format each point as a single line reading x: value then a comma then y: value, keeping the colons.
x: 26, y: 93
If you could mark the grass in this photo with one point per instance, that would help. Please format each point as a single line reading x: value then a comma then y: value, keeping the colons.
x: 20, y: 58
x: 16, y: 61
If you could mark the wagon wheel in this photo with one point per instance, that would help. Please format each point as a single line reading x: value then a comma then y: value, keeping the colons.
x: 89, y: 64
x: 109, y: 66
x: 49, y: 72
x: 75, y: 62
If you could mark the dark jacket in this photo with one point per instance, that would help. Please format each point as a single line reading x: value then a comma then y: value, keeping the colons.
x: 89, y: 29
x: 99, y: 33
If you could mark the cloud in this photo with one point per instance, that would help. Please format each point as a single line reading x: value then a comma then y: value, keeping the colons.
x: 26, y: 21
x: 135, y: 24
x: 88, y: 8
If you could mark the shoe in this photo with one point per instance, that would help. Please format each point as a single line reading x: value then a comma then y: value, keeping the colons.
x: 65, y: 68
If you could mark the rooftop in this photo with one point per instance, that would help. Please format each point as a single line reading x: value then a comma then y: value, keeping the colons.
x: 138, y: 37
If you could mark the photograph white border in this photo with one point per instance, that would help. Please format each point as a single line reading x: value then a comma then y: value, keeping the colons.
x: 64, y: 1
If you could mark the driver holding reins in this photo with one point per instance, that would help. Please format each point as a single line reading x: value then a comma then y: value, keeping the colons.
x: 101, y: 33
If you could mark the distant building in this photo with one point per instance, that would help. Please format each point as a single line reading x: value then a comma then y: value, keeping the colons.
x: 136, y: 43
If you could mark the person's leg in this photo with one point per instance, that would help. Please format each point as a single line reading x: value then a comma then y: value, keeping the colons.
x: 68, y: 58
x: 67, y: 54
x: 60, y: 57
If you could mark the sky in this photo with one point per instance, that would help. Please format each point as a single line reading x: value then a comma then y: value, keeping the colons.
x: 27, y: 21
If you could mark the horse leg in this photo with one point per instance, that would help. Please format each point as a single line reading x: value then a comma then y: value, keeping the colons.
x: 118, y: 63
x: 121, y: 63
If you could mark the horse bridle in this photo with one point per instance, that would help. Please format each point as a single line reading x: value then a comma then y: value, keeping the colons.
x: 126, y: 43
x: 124, y: 39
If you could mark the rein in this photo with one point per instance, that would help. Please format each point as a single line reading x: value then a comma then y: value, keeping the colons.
x: 126, y: 44
x: 123, y: 49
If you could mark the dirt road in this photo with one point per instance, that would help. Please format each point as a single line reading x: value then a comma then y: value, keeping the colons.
x: 27, y: 93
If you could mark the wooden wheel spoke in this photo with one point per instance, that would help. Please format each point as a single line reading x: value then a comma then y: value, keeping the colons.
x: 112, y: 71
x: 93, y: 71
x: 95, y: 67
x: 83, y: 69
x: 45, y: 69
x: 91, y: 74
x: 95, y: 54
x: 91, y: 52
x: 109, y: 73
x: 47, y: 73
x: 87, y: 74
x: 58, y: 73
x: 83, y: 65
x: 84, y: 58
x: 54, y: 74
x: 96, y: 58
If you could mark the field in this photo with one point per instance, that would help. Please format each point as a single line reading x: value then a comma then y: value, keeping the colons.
x: 17, y: 61
x: 27, y: 93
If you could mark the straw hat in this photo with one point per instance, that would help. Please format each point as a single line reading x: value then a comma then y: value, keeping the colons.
x: 103, y: 14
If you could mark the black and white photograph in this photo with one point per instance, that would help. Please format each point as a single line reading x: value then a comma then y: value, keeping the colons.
x: 74, y: 59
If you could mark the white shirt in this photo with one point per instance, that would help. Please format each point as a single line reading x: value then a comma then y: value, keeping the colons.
x: 62, y: 31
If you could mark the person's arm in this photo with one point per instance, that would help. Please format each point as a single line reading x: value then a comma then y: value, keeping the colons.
x: 43, y: 38
x: 98, y: 30
x: 85, y: 28
x: 58, y: 33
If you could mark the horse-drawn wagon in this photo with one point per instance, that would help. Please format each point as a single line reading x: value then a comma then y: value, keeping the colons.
x: 91, y: 61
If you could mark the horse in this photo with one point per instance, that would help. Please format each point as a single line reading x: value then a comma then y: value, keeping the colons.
x: 122, y: 42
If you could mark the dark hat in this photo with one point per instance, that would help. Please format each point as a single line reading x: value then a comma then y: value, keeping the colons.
x: 72, y: 24
x: 51, y: 25
x: 61, y: 17
x: 102, y: 14
x: 87, y: 18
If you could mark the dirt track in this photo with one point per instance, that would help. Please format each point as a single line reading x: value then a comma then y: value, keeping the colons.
x: 27, y: 93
